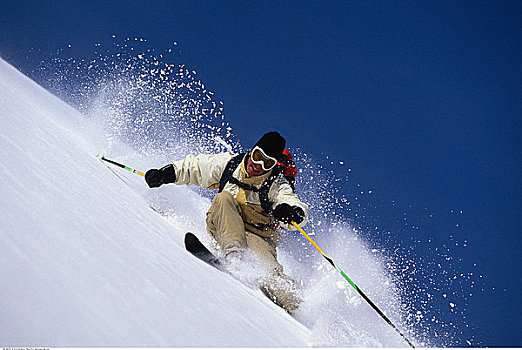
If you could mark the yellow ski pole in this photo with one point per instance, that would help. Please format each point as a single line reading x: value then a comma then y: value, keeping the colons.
x: 361, y: 293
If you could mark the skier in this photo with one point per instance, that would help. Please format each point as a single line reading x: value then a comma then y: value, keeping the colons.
x: 254, y: 200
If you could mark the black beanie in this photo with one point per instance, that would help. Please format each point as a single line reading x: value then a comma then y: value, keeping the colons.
x: 272, y: 144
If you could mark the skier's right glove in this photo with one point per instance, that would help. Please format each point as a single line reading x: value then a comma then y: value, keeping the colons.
x: 286, y: 213
x: 158, y: 177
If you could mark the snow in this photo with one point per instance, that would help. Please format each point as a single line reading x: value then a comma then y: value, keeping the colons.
x: 90, y: 256
x: 85, y: 261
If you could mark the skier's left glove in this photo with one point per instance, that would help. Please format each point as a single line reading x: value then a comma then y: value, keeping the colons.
x: 286, y: 213
x: 158, y: 177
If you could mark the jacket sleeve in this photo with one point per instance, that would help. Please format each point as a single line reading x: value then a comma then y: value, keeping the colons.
x: 281, y: 192
x: 203, y: 170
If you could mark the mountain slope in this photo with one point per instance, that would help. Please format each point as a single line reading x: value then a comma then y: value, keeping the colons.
x: 84, y: 261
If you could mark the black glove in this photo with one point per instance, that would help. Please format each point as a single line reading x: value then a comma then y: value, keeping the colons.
x: 286, y: 213
x: 158, y: 177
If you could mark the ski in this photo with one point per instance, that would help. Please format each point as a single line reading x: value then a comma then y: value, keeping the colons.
x: 198, y: 249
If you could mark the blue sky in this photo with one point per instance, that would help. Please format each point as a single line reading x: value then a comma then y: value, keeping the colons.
x: 421, y: 100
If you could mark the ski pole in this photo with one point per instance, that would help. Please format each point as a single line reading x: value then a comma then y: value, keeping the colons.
x: 101, y: 156
x: 352, y: 284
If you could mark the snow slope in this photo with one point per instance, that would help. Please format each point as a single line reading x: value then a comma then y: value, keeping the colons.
x: 84, y: 260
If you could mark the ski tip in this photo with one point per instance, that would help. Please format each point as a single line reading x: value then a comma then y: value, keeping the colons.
x: 190, y: 239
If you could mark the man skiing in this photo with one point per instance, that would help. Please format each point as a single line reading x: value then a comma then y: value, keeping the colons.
x: 254, y: 199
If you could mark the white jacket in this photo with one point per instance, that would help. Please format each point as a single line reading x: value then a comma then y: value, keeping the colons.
x: 205, y: 170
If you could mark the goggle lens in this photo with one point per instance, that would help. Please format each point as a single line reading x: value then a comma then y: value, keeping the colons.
x: 259, y: 157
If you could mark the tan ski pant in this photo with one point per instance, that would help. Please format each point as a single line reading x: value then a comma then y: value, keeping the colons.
x: 225, y: 224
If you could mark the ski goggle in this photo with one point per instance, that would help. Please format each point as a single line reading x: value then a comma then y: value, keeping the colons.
x: 259, y: 157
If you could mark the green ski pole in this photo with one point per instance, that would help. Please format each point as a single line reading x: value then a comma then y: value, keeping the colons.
x: 361, y: 293
x: 101, y: 156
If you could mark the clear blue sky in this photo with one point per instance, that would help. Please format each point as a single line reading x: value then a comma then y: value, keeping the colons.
x: 421, y: 99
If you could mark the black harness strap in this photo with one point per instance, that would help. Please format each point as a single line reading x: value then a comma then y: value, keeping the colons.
x: 243, y: 185
x: 229, y: 170
x: 265, y: 189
